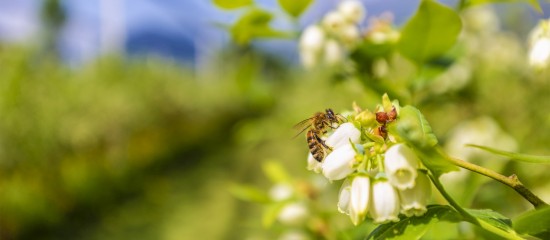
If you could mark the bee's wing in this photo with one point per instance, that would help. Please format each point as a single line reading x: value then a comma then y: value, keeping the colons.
x: 303, y: 125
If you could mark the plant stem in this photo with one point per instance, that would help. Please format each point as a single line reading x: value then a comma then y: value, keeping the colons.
x: 511, y: 181
x: 451, y: 201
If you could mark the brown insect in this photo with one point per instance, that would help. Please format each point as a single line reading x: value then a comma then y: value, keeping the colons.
x: 318, y: 125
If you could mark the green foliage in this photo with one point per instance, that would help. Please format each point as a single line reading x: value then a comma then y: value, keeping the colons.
x: 516, y: 156
x: 534, y: 3
x: 275, y: 172
x: 294, y: 7
x: 535, y: 222
x: 249, y: 193
x: 494, y: 222
x: 254, y: 24
x: 430, y: 33
x: 232, y: 4
x: 415, y: 227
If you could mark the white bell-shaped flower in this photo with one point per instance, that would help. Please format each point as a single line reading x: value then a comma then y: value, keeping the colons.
x: 384, y: 202
x: 349, y: 34
x: 281, y: 192
x: 313, y: 164
x: 339, y: 163
x: 352, y: 10
x: 400, y: 164
x: 539, y: 54
x: 344, y: 197
x: 293, y: 214
x: 345, y: 133
x: 359, y: 198
x: 333, y: 21
x: 313, y: 38
x: 414, y: 200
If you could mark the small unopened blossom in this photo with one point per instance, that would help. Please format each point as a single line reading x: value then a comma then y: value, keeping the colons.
x: 293, y: 214
x: 414, y: 200
x: 352, y: 10
x: 385, y: 202
x: 359, y: 198
x: 333, y: 53
x: 281, y: 192
x: 333, y: 21
x: 344, y: 197
x: 313, y: 164
x: 401, y: 163
x: 339, y: 163
x: 345, y: 133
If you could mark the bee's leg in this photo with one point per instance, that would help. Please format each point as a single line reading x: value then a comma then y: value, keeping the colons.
x: 322, y: 142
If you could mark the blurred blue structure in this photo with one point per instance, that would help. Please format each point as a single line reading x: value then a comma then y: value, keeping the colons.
x: 179, y: 29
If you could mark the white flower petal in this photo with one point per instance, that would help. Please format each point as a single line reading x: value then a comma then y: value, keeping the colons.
x: 345, y: 133
x: 339, y: 163
x: 344, y: 197
x: 313, y: 164
x: 293, y: 214
x: 281, y: 192
x: 313, y: 38
x: 400, y: 164
x: 334, y: 54
x: 414, y: 200
x: 385, y: 202
x: 359, y: 198
x: 539, y: 54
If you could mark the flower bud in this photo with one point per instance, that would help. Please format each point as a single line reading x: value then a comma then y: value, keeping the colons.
x: 334, y: 54
x: 414, y: 200
x: 352, y: 10
x: 313, y: 38
x: 345, y: 133
x: 359, y: 198
x: 293, y: 214
x: 385, y: 202
x: 344, y: 197
x: 333, y: 21
x: 313, y: 164
x: 339, y: 163
x: 400, y: 164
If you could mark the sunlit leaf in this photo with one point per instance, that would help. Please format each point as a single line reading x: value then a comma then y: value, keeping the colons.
x: 294, y: 7
x: 254, y: 24
x: 414, y: 127
x: 415, y: 227
x: 275, y: 172
x: 535, y: 222
x: 494, y: 222
x: 249, y: 193
x: 232, y: 4
x: 430, y: 33
x: 515, y: 156
x: 534, y: 3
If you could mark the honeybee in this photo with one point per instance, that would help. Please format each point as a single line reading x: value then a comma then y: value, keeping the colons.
x: 318, y: 125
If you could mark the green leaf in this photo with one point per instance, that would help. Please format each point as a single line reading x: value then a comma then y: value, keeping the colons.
x: 254, y: 24
x: 535, y: 222
x: 534, y: 3
x: 232, y: 4
x: 248, y: 193
x: 515, y: 156
x: 271, y: 213
x: 294, y: 7
x: 414, y: 127
x: 493, y: 222
x: 415, y: 227
x: 275, y: 172
x: 430, y: 33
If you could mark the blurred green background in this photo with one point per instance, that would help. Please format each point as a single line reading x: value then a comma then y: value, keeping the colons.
x: 147, y: 148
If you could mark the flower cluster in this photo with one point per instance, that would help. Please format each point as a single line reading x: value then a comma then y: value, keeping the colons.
x: 383, y: 177
x: 337, y: 33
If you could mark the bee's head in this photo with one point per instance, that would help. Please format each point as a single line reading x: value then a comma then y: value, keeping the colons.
x: 331, y: 115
